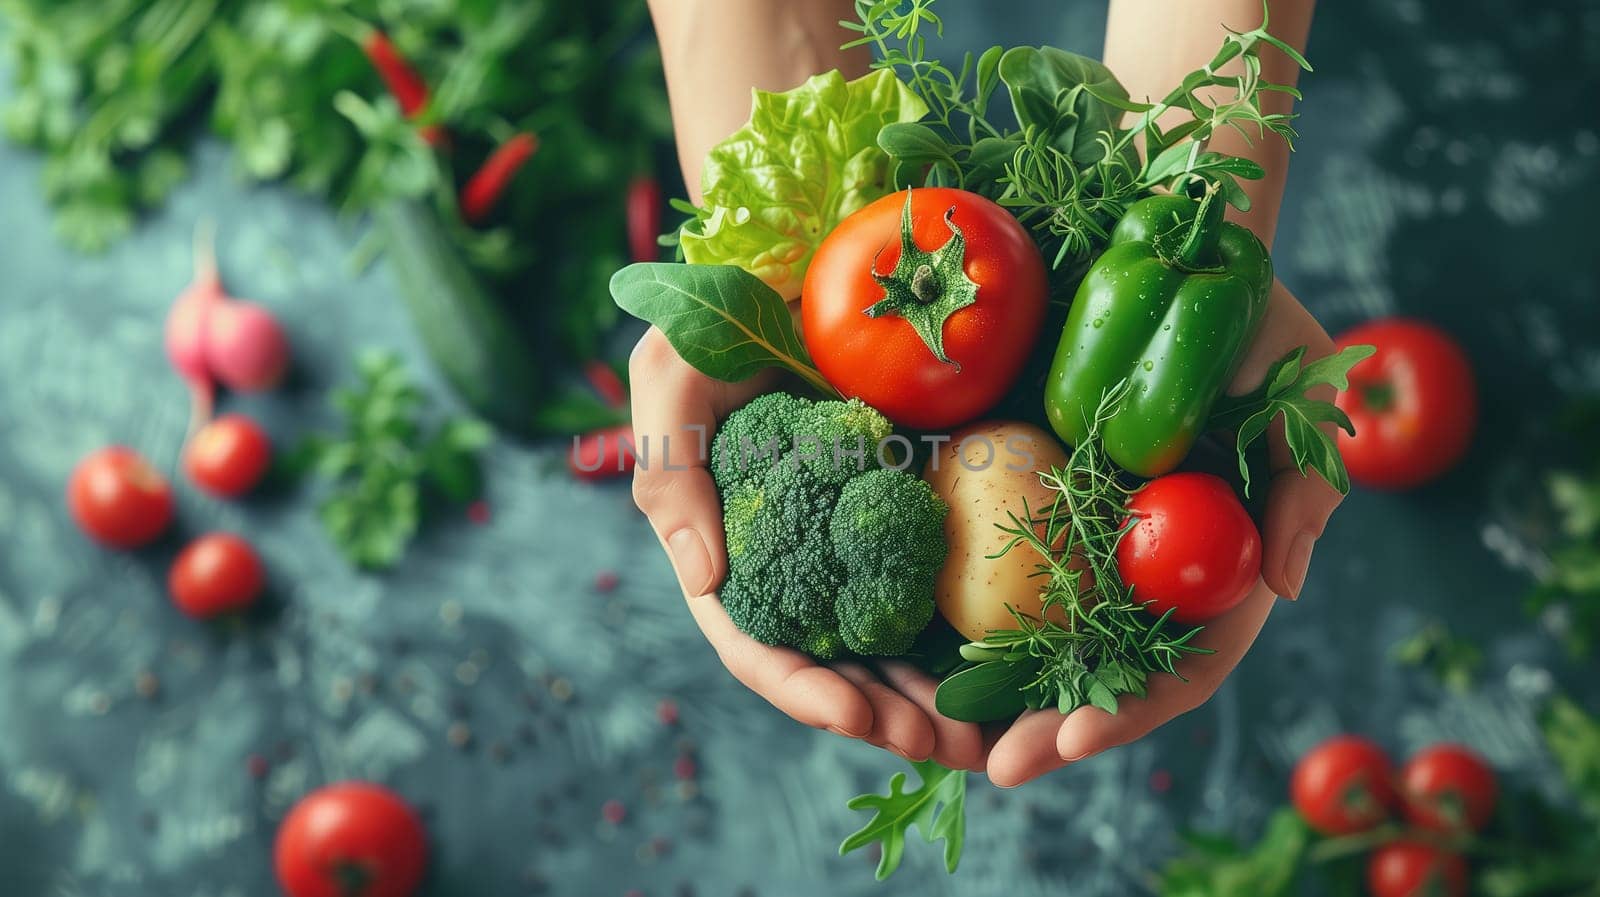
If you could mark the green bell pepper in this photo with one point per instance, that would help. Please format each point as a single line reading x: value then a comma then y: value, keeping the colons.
x: 1170, y: 306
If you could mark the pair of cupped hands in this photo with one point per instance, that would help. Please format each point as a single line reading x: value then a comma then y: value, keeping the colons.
x: 889, y: 703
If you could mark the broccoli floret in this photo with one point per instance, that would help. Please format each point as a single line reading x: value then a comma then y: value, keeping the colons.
x: 828, y: 552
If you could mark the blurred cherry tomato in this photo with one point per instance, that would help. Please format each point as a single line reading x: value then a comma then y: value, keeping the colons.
x: 216, y: 574
x: 118, y: 499
x: 228, y: 456
x: 1343, y: 785
x: 1193, y: 548
x: 1448, y: 788
x: 353, y: 839
x: 644, y: 218
x: 1414, y: 404
x: 1413, y: 869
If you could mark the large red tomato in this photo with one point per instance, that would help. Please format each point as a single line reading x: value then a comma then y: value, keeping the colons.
x: 1193, y: 548
x: 1414, y: 404
x: 861, y: 309
x: 1343, y: 785
x: 1414, y: 869
x: 1448, y: 788
x: 119, y: 499
x: 353, y: 839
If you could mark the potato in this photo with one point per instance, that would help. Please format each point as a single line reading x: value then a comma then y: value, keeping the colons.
x: 983, y: 474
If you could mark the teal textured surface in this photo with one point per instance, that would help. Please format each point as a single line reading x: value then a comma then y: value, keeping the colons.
x: 1443, y: 172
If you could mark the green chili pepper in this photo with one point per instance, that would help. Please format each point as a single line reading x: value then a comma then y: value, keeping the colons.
x: 1171, y: 306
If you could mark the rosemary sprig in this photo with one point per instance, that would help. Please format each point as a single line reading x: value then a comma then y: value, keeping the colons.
x: 1108, y: 643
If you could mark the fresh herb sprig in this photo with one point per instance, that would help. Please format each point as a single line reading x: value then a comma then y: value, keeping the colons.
x: 386, y: 462
x: 937, y: 807
x: 1071, y: 167
x: 1107, y: 643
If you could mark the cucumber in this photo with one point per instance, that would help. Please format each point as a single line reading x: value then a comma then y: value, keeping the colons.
x: 468, y: 335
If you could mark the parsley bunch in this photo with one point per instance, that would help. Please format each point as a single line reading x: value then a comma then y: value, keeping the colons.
x: 386, y: 464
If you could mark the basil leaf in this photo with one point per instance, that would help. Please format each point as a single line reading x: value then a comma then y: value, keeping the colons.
x: 986, y: 692
x: 1065, y: 96
x: 721, y: 318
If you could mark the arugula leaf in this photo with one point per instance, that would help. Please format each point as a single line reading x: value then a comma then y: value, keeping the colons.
x: 807, y: 158
x: 1221, y: 867
x: 1282, y: 394
x: 721, y: 318
x: 385, y: 463
x: 937, y: 807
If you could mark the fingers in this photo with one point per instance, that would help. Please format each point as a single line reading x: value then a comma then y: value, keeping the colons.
x: 789, y: 680
x: 1042, y: 741
x: 1027, y: 750
x: 956, y: 745
x: 1298, y: 507
x: 675, y: 414
x: 898, y: 725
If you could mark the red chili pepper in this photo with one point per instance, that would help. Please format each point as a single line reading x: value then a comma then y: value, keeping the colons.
x: 483, y: 189
x: 644, y: 218
x: 603, y: 454
x: 605, y: 381
x: 404, y: 82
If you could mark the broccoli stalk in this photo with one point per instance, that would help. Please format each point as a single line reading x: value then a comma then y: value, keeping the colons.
x: 828, y: 551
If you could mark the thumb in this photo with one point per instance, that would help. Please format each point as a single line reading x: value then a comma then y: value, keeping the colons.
x: 1298, y: 508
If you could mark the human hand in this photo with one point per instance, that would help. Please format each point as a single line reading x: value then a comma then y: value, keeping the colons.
x: 677, y: 409
x: 1297, y: 510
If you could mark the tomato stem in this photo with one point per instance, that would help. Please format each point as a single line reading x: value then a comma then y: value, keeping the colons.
x: 1378, y: 396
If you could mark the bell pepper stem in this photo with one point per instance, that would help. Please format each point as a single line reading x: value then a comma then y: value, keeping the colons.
x: 1200, y: 243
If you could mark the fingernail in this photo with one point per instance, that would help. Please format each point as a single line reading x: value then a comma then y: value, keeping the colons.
x: 840, y: 731
x: 1298, y: 562
x: 691, y: 560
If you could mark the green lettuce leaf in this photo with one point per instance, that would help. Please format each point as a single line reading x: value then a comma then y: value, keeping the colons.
x: 807, y: 158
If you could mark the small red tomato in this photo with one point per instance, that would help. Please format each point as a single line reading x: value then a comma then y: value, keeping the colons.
x: 1414, y: 404
x: 1413, y: 869
x: 118, y: 499
x: 603, y: 454
x: 1193, y: 548
x: 352, y: 839
x: 1343, y: 785
x: 228, y: 456
x: 215, y: 574
x: 1448, y: 788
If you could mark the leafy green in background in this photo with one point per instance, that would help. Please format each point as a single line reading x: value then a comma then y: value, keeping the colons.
x: 1218, y: 866
x: 114, y: 92
x: 1571, y: 584
x: 1451, y: 659
x: 386, y: 464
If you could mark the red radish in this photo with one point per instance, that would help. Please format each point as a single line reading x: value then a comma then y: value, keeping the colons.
x: 212, y: 337
x: 604, y: 453
x: 245, y: 347
x: 186, y: 326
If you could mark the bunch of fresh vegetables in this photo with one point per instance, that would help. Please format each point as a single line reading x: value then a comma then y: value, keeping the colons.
x: 1411, y: 832
x: 929, y: 245
x: 474, y: 128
